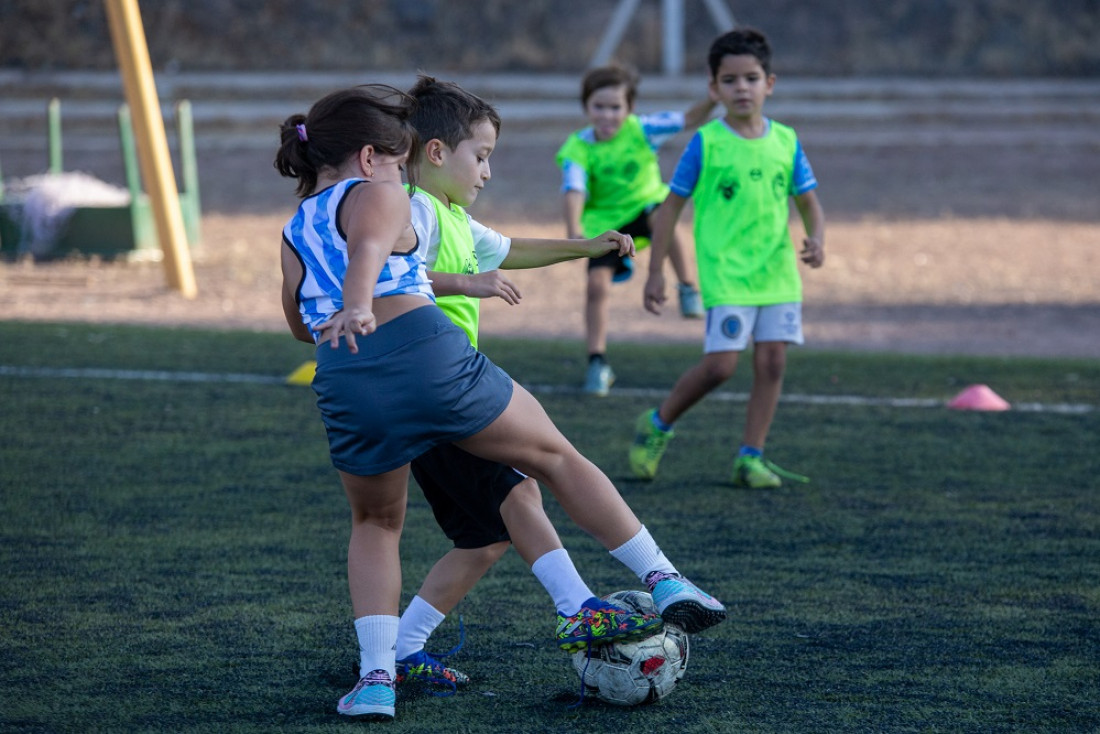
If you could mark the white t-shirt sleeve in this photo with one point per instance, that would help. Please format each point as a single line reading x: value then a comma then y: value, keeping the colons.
x: 426, y: 227
x: 490, y: 246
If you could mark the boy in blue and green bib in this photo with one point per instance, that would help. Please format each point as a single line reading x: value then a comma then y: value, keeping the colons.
x: 740, y: 170
x: 611, y: 180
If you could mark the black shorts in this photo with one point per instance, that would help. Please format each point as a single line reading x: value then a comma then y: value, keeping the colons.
x: 465, y: 493
x: 622, y: 266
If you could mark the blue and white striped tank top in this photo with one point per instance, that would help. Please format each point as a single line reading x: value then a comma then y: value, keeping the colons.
x: 315, y: 236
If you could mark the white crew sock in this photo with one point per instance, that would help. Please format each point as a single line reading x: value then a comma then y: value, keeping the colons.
x: 557, y: 574
x: 416, y: 626
x: 377, y: 639
x: 641, y: 555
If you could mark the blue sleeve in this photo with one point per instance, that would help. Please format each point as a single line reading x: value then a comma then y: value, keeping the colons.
x: 687, y: 170
x: 803, y: 179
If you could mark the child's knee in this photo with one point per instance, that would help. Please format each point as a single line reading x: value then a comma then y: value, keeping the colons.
x: 719, y: 367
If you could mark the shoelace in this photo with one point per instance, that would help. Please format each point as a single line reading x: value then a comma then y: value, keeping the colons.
x: 440, y: 657
x: 784, y: 473
x: 584, y: 672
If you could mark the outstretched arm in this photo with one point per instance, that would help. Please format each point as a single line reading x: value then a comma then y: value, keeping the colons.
x: 535, y: 253
x: 813, y: 219
x: 664, y: 226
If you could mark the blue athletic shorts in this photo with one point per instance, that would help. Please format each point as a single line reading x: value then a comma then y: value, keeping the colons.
x: 465, y: 493
x: 415, y: 383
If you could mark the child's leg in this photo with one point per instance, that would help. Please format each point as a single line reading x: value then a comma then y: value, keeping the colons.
x: 531, y: 531
x: 696, y: 382
x: 769, y: 364
x: 453, y: 575
x: 523, y: 436
x: 377, y: 516
x: 596, y: 305
x: 374, y: 579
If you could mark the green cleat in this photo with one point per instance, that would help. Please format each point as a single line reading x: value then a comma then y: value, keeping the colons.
x: 756, y: 472
x: 649, y: 446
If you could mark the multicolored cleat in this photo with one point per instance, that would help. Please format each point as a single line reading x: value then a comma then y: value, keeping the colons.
x: 599, y: 622
x: 682, y: 603
x: 423, y: 668
x: 372, y: 698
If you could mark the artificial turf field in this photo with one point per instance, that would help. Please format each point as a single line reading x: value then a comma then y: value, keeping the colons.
x: 172, y: 546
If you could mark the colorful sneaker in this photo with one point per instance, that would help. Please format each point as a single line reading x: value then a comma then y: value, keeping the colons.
x: 691, y: 303
x: 599, y: 622
x: 649, y: 446
x: 599, y: 379
x: 422, y: 667
x: 682, y: 603
x: 756, y: 472
x: 373, y: 697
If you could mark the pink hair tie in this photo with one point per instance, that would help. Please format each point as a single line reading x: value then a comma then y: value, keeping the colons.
x: 301, y: 127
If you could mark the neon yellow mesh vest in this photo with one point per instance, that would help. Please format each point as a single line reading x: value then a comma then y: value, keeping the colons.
x: 623, y: 176
x: 456, y: 255
x: 742, y: 241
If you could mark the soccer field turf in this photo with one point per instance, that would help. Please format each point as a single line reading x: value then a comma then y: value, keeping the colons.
x: 173, y: 538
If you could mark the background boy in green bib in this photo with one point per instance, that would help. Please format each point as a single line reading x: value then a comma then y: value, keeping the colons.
x: 611, y: 180
x: 741, y: 170
x: 482, y: 505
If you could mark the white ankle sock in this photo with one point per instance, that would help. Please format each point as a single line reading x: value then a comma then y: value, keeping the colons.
x: 557, y: 574
x: 377, y: 638
x: 641, y: 555
x: 416, y: 626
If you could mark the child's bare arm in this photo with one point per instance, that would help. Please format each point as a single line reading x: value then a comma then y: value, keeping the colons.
x: 490, y: 284
x: 813, y: 219
x: 292, y: 275
x: 526, y: 252
x: 572, y: 208
x: 664, y: 226
x: 698, y: 113
x: 378, y: 219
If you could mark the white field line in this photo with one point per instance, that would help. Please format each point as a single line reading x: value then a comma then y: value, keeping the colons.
x: 649, y: 393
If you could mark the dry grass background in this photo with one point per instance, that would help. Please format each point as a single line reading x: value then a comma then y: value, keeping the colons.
x: 966, y: 286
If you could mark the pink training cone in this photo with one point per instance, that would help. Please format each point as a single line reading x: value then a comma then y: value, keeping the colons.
x: 978, y: 397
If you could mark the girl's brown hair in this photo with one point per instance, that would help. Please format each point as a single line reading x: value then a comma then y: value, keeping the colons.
x: 339, y: 125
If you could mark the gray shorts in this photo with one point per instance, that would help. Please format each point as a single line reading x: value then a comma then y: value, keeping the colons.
x: 730, y: 327
x: 415, y: 383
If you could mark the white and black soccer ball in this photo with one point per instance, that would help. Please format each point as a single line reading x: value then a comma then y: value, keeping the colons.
x: 637, y: 671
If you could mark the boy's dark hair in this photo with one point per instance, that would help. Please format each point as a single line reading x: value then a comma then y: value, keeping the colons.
x: 743, y: 41
x: 448, y: 112
x: 339, y: 125
x: 612, y: 75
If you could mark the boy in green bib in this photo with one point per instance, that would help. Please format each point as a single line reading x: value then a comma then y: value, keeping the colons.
x: 741, y: 170
x: 484, y: 506
x: 611, y: 180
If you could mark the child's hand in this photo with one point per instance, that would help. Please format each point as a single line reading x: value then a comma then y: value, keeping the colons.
x: 813, y: 252
x: 612, y: 241
x: 654, y: 296
x: 347, y: 323
x: 492, y: 284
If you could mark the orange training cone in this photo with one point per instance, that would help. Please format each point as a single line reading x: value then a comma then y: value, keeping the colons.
x: 978, y: 397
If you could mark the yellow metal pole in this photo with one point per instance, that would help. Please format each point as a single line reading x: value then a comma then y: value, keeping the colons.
x: 128, y: 37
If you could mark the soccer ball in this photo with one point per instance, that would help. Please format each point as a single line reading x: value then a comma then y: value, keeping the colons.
x: 635, y: 671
